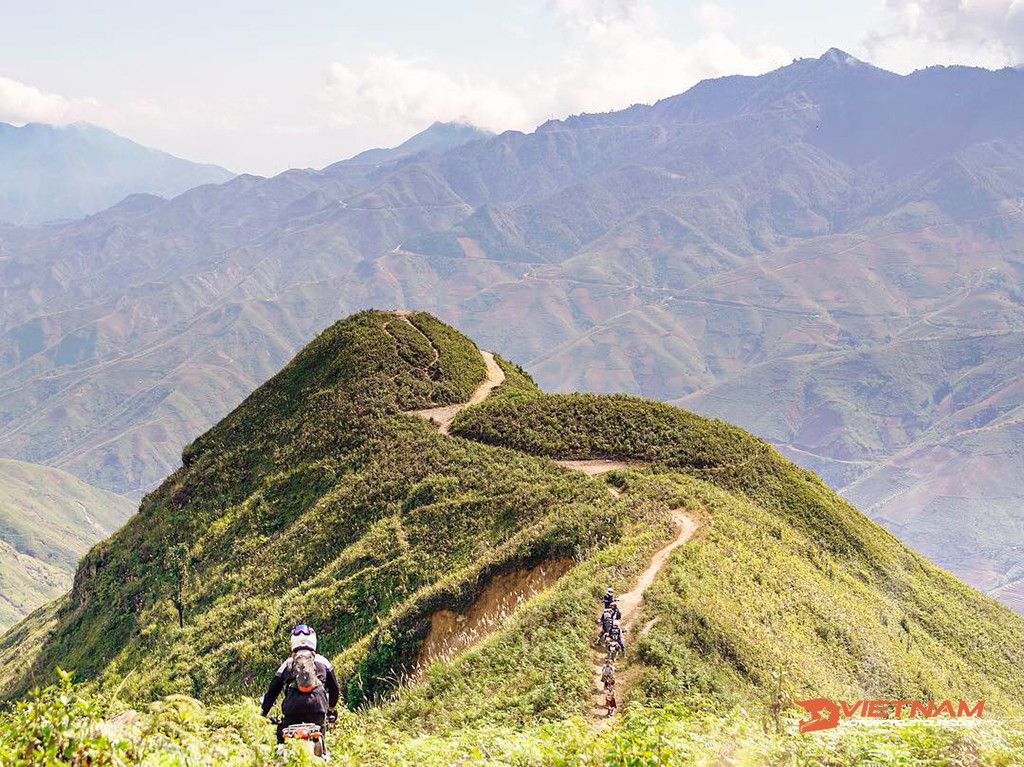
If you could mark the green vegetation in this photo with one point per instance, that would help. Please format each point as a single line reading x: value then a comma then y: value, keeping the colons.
x: 48, y: 520
x: 459, y: 367
x: 610, y: 426
x: 318, y: 500
x: 62, y: 725
x: 517, y: 383
x: 25, y: 583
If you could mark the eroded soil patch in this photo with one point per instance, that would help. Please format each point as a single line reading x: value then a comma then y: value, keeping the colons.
x: 450, y: 632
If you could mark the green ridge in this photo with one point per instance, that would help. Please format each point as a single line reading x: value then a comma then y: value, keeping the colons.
x: 318, y: 500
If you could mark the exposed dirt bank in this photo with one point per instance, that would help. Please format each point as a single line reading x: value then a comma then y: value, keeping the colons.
x: 450, y: 633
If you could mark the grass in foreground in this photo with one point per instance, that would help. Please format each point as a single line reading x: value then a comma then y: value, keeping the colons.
x: 65, y: 725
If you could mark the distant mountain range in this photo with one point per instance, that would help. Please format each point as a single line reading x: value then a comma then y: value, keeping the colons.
x: 52, y: 172
x: 828, y: 255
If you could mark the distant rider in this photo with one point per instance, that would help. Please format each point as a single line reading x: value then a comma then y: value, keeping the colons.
x: 606, y: 620
x: 609, y: 597
x: 615, y: 636
x: 310, y: 687
x: 610, y: 704
x: 608, y: 675
x: 616, y: 613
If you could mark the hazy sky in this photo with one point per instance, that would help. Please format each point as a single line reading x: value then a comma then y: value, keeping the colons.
x: 261, y: 86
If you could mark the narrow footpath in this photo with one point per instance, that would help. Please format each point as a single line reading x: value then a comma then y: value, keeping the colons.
x: 629, y: 605
x: 629, y: 602
x: 443, y: 416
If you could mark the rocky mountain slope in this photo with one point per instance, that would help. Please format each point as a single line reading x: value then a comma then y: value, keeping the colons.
x: 50, y: 172
x: 827, y: 255
x: 48, y: 520
x: 325, y: 498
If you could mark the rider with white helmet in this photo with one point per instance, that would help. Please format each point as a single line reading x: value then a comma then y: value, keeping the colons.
x: 311, y: 689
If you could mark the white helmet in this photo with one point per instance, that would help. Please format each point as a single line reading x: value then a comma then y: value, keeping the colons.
x: 616, y: 623
x: 303, y: 638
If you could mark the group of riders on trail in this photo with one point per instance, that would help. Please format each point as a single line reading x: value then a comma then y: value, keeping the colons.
x: 611, y: 623
x: 612, y: 636
x: 311, y: 688
x: 311, y: 691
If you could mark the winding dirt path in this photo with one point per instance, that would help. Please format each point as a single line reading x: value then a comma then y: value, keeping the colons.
x: 631, y: 601
x: 443, y: 416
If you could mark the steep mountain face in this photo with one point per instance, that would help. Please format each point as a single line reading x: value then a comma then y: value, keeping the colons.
x: 322, y: 498
x: 48, y: 520
x: 50, y: 172
x: 827, y: 255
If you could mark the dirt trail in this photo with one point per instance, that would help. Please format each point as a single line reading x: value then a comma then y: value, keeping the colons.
x: 630, y: 602
x: 452, y: 633
x: 595, y: 467
x: 443, y: 416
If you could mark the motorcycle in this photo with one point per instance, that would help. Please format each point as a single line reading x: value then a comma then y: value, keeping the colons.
x: 309, y: 736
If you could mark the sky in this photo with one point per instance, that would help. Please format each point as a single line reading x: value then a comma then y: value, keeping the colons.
x: 263, y: 85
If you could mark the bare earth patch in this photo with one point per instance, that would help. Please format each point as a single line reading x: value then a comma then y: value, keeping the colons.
x: 450, y: 633
x: 594, y: 467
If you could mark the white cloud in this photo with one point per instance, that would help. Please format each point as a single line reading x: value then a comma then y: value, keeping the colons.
x: 590, y: 13
x: 20, y: 103
x: 616, y: 53
x: 986, y: 33
x: 630, y: 57
x: 715, y: 16
x: 393, y: 89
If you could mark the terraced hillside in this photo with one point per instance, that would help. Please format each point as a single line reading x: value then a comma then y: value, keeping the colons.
x: 324, y: 498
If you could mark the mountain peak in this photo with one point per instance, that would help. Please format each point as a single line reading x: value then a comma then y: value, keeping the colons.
x: 437, y: 138
x: 410, y: 530
x: 836, y: 56
x: 54, y: 172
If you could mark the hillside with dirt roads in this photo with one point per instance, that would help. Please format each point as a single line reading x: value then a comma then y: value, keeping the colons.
x: 453, y: 563
x: 48, y: 520
x: 827, y: 255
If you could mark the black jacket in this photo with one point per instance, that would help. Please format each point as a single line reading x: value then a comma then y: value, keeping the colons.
x: 324, y: 697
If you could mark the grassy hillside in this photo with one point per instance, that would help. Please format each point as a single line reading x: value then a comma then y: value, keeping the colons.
x: 26, y: 583
x: 318, y: 500
x: 48, y: 519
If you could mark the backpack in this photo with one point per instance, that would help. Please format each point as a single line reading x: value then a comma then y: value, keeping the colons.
x: 304, y: 675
